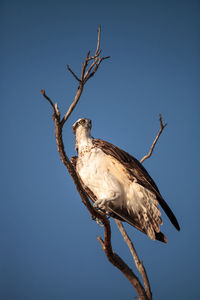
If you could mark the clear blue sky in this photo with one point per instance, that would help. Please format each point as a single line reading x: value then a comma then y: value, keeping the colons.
x: 48, y: 246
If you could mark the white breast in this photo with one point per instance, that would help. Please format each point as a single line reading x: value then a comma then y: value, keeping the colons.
x: 91, y: 167
x: 103, y: 174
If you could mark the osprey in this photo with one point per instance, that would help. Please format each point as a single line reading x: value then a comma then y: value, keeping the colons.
x: 118, y: 184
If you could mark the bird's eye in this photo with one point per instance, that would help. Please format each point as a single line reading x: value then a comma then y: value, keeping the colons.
x: 82, y: 122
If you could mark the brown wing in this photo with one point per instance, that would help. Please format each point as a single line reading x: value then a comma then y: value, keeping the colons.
x: 138, y: 172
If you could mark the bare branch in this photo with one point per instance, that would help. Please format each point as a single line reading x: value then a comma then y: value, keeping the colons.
x: 73, y: 105
x: 138, y: 263
x: 162, y: 126
x: 98, y: 40
x: 57, y: 111
x: 101, y: 242
x: 90, y: 68
x: 70, y: 70
x: 123, y: 267
x: 84, y: 66
x: 106, y: 57
x: 48, y: 99
x: 89, y: 75
x: 95, y: 56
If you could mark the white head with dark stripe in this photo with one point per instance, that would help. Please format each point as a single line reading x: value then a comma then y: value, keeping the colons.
x: 81, y: 130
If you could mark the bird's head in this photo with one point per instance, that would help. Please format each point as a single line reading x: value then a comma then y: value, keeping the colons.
x: 83, y: 124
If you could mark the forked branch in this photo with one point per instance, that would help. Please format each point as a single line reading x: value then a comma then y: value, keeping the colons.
x: 89, y: 68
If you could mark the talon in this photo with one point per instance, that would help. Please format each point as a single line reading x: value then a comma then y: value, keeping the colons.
x: 100, y: 203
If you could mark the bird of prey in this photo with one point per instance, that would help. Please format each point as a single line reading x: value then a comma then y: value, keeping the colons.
x: 118, y: 184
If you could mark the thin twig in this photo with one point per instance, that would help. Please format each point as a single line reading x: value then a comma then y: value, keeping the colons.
x: 136, y: 259
x: 48, y: 99
x: 101, y: 242
x: 74, y: 103
x: 75, y: 76
x: 84, y: 66
x: 89, y: 70
x: 162, y: 126
x: 98, y: 40
x: 95, y: 56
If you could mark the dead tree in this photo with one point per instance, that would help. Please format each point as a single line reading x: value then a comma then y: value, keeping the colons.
x: 89, y: 69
